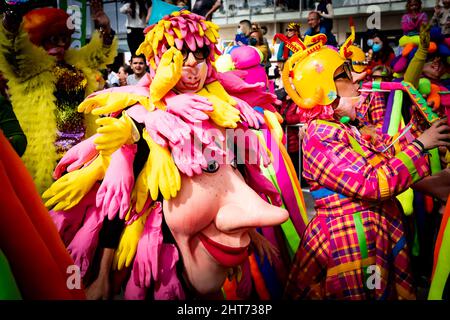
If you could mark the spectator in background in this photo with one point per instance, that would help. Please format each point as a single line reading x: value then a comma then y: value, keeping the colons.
x: 263, y: 29
x: 256, y: 40
x: 381, y: 53
x: 414, y: 18
x: 136, y: 11
x: 112, y: 79
x: 243, y: 33
x: 325, y: 10
x: 268, y: 64
x: 293, y: 34
x: 264, y: 32
x: 181, y: 4
x: 123, y: 73
x: 139, y: 69
x: 441, y: 16
x: 206, y: 8
x: 316, y: 28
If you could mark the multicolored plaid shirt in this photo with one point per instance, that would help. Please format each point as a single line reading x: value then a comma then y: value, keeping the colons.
x: 372, y: 110
x: 358, y: 228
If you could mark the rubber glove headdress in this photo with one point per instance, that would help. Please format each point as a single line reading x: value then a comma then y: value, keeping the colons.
x: 182, y: 30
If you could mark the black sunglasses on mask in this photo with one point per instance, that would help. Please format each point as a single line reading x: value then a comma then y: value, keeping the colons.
x: 199, y: 54
x: 346, y: 73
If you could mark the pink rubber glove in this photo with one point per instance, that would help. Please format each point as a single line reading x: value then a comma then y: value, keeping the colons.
x: 76, y: 157
x: 189, y: 106
x: 115, y: 190
x: 206, y: 133
x: 145, y: 82
x: 133, y: 214
x: 68, y: 222
x: 145, y: 266
x: 190, y: 157
x: 233, y: 81
x: 252, y: 117
x: 133, y: 292
x: 168, y: 287
x: 83, y: 245
x: 161, y: 124
x: 137, y: 112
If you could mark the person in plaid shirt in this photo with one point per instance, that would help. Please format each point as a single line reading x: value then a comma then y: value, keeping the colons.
x: 355, y: 247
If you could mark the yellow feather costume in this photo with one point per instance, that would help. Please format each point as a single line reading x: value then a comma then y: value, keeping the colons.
x: 29, y: 70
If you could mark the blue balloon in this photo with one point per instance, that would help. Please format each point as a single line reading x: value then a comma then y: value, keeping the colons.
x: 443, y: 50
x: 436, y: 34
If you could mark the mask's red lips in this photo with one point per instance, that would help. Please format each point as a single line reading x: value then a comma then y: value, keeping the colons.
x: 225, y: 255
x: 193, y: 85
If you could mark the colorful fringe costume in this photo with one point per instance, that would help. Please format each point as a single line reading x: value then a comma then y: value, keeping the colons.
x: 45, y: 94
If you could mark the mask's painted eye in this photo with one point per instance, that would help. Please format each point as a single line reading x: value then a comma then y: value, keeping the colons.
x: 212, y: 166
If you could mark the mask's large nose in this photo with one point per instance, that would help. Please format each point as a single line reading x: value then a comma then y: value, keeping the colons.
x: 357, y: 77
x: 248, y: 210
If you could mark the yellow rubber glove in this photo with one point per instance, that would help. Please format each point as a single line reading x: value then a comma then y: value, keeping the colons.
x: 67, y: 191
x: 218, y: 90
x: 140, y: 192
x: 224, y: 114
x: 160, y: 170
x: 128, y: 242
x: 114, y: 133
x: 167, y: 75
x: 109, y: 102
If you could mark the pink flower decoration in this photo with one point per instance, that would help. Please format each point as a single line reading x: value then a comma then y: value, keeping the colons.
x: 319, y: 68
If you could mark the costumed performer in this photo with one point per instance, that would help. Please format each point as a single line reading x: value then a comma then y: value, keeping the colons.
x: 358, y: 228
x: 47, y: 81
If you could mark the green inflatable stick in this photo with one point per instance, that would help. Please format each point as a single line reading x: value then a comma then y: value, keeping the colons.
x: 396, y: 114
x: 442, y: 271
